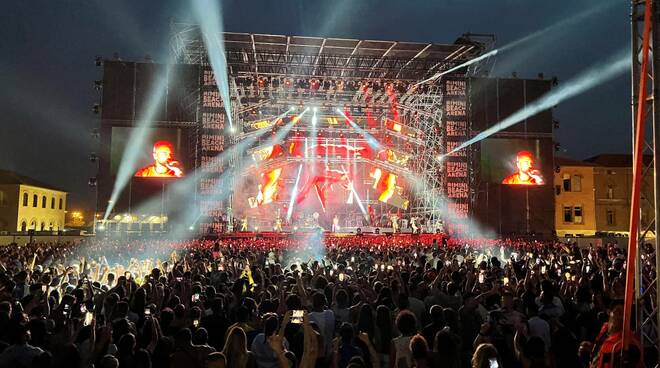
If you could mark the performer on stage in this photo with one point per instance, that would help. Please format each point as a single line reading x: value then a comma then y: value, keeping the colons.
x: 244, y: 223
x: 395, y: 225
x: 413, y: 224
x: 335, y: 224
x: 372, y: 215
x: 278, y: 221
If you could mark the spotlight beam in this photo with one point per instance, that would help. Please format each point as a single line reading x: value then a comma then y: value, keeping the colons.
x: 294, y: 193
x: 554, y: 27
x: 359, y: 201
x: 209, y: 16
x: 373, y: 142
x: 587, y: 80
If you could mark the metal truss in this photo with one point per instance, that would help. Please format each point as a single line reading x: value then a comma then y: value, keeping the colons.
x: 647, y: 282
x: 297, y: 56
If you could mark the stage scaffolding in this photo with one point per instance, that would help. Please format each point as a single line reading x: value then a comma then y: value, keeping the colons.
x: 645, y: 298
x: 255, y: 57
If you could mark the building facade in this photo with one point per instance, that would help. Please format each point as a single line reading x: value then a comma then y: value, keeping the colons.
x: 27, y: 204
x: 593, y: 196
x: 575, y: 205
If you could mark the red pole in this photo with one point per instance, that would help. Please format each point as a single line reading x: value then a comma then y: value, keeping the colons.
x: 637, y: 179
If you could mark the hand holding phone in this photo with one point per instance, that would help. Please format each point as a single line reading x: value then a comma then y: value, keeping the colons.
x: 297, y: 316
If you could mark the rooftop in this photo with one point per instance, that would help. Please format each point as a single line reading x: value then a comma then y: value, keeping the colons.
x: 10, y: 177
x: 615, y: 160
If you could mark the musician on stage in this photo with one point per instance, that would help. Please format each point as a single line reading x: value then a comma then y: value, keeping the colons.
x: 335, y: 224
x: 244, y: 223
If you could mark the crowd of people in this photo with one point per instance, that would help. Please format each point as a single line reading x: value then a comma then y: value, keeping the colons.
x: 335, y: 302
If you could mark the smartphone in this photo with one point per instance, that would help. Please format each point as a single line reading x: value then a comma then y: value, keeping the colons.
x: 67, y: 310
x: 195, y: 298
x: 44, y: 288
x: 342, y: 276
x: 88, y: 318
x: 493, y: 363
x: 196, y: 323
x: 179, y: 279
x: 352, y: 259
x: 382, y: 267
x: 390, y: 268
x: 587, y: 268
x: 543, y: 269
x: 297, y: 316
x: 567, y: 275
x: 506, y: 281
x: 481, y: 278
x: 147, y: 311
x: 83, y: 308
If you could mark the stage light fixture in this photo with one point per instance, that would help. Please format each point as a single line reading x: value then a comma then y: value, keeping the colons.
x: 93, y: 157
x: 101, y: 228
x: 191, y: 228
x: 555, y: 124
x: 96, y: 108
x: 315, y: 109
x: 292, y: 108
x: 92, y: 182
x: 98, y: 61
x: 98, y: 84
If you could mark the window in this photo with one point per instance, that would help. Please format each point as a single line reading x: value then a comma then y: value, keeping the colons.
x: 611, y: 217
x: 567, y: 182
x: 576, y: 183
x: 24, y: 224
x: 577, y: 214
x: 52, y: 203
x: 60, y: 203
x: 43, y: 202
x: 35, y: 199
x: 610, y: 191
x: 43, y: 227
x: 2, y: 198
x: 25, y: 199
x: 568, y: 214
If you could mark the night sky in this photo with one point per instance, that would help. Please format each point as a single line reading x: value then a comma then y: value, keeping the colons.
x: 48, y: 47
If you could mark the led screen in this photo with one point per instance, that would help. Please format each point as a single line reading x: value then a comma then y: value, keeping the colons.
x: 159, y: 156
x: 512, y: 162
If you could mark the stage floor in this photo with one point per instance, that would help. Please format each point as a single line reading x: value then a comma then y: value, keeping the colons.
x: 386, y: 235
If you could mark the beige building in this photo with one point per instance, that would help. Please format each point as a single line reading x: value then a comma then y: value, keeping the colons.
x: 593, y: 196
x: 575, y: 205
x: 27, y: 204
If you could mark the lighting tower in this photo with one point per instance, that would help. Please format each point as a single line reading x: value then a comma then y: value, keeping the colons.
x: 642, y: 297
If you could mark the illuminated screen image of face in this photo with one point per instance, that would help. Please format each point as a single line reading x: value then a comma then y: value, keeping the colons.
x: 511, y: 161
x: 164, y: 165
x: 159, y: 156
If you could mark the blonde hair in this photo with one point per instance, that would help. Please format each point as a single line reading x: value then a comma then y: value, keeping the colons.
x: 235, y: 349
x: 482, y: 354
